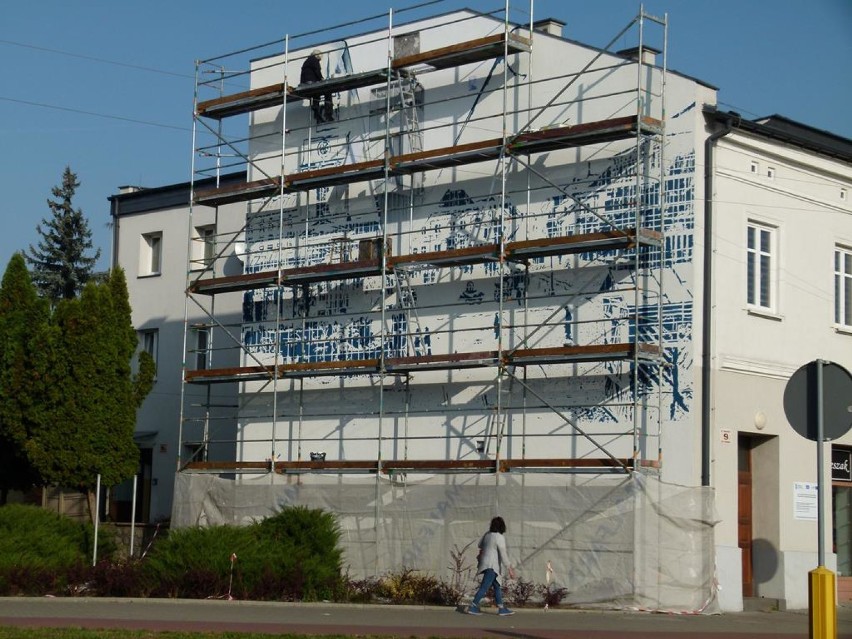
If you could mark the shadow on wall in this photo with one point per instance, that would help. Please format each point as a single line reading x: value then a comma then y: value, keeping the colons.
x: 764, y: 563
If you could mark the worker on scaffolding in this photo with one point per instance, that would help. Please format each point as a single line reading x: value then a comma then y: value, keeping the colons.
x: 312, y: 72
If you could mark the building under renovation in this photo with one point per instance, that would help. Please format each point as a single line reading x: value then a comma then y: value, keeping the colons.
x: 463, y: 275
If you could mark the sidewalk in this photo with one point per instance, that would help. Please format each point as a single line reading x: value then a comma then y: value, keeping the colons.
x: 402, y: 621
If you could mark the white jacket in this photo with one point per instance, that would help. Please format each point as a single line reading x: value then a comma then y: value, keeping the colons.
x: 493, y: 554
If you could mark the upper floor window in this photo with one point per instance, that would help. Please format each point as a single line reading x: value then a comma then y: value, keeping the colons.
x: 203, y: 246
x: 202, y: 348
x: 761, y: 251
x: 843, y: 286
x: 151, y: 254
x: 149, y: 342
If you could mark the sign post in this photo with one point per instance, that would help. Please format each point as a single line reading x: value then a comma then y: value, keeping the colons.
x: 817, y: 404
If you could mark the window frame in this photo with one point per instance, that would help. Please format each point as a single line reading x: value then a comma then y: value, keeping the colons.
x: 202, y: 350
x: 843, y: 287
x: 762, y: 266
x: 203, y: 247
x: 151, y: 254
x: 149, y: 341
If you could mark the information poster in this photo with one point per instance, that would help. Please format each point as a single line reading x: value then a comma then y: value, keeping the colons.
x: 805, y: 501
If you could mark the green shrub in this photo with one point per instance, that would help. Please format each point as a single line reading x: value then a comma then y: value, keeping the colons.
x: 293, y: 555
x: 34, y: 538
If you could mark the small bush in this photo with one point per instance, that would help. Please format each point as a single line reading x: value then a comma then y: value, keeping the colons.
x: 552, y: 595
x: 36, y: 538
x: 118, y: 579
x: 520, y: 592
x: 293, y: 555
x: 409, y: 587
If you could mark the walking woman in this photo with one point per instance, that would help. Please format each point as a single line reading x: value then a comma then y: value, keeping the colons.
x: 492, y: 561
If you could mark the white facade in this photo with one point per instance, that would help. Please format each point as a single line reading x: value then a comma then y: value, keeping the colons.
x: 794, y: 196
x: 156, y: 279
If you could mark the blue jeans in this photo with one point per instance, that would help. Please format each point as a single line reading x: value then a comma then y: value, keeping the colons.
x: 489, y: 578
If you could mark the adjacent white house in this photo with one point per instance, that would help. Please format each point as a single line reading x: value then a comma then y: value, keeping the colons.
x: 513, y: 274
x: 157, y: 244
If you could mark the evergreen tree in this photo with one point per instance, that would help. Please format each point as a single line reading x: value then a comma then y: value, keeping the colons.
x: 61, y: 266
x: 23, y: 326
x: 94, y: 415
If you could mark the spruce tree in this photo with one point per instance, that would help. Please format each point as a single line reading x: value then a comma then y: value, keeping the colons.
x: 60, y: 262
x: 23, y: 327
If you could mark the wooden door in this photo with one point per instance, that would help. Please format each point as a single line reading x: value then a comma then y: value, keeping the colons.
x: 744, y: 516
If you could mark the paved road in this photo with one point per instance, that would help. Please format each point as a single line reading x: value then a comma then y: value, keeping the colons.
x: 402, y: 621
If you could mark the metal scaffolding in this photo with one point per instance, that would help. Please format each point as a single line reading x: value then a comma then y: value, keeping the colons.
x: 352, y: 208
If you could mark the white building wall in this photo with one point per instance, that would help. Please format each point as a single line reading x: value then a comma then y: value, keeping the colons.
x: 463, y: 105
x: 157, y: 303
x: 796, y: 193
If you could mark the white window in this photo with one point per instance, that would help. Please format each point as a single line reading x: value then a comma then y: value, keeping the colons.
x: 202, y: 348
x: 843, y: 286
x: 842, y: 195
x: 761, y: 265
x: 151, y: 254
x: 755, y: 167
x: 770, y: 172
x: 149, y: 341
x: 203, y: 246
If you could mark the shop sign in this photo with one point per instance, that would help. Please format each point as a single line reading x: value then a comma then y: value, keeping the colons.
x: 841, y: 464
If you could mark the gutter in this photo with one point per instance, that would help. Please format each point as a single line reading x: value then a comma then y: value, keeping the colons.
x: 728, y: 124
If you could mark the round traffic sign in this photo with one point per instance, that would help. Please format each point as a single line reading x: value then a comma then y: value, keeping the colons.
x: 801, y: 396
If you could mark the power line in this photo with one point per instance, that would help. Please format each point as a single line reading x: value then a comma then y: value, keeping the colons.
x: 92, y: 113
x: 95, y: 59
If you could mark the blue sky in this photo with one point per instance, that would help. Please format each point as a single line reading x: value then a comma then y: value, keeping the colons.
x: 106, y: 86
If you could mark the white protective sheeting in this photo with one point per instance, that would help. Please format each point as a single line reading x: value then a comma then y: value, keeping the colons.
x: 609, y: 541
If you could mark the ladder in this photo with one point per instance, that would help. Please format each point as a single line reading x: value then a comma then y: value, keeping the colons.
x: 406, y: 300
x: 409, y: 124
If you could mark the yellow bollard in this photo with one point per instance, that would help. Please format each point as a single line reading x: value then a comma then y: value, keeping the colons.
x: 822, y: 603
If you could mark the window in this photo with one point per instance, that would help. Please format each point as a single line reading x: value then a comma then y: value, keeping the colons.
x: 149, y: 342
x: 761, y: 266
x: 755, y: 167
x: 151, y: 254
x: 202, y: 348
x: 843, y: 286
x: 770, y: 172
x: 842, y: 195
x: 203, y: 246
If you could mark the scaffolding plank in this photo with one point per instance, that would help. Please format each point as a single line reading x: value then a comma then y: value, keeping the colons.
x: 441, y: 362
x: 245, y: 101
x: 419, y: 465
x: 228, y: 375
x: 335, y: 175
x: 331, y: 272
x: 445, y: 157
x: 449, y: 257
x: 568, y: 244
x: 276, y: 94
x: 584, y: 353
x: 597, y: 132
x: 333, y: 367
x: 451, y: 361
x: 461, y: 53
x: 256, y: 189
x: 232, y: 283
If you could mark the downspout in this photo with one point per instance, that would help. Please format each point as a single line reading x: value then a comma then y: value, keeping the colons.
x: 114, y: 212
x: 707, y: 298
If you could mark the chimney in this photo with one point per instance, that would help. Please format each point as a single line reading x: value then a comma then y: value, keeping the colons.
x: 649, y: 54
x: 550, y: 26
x: 123, y: 190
